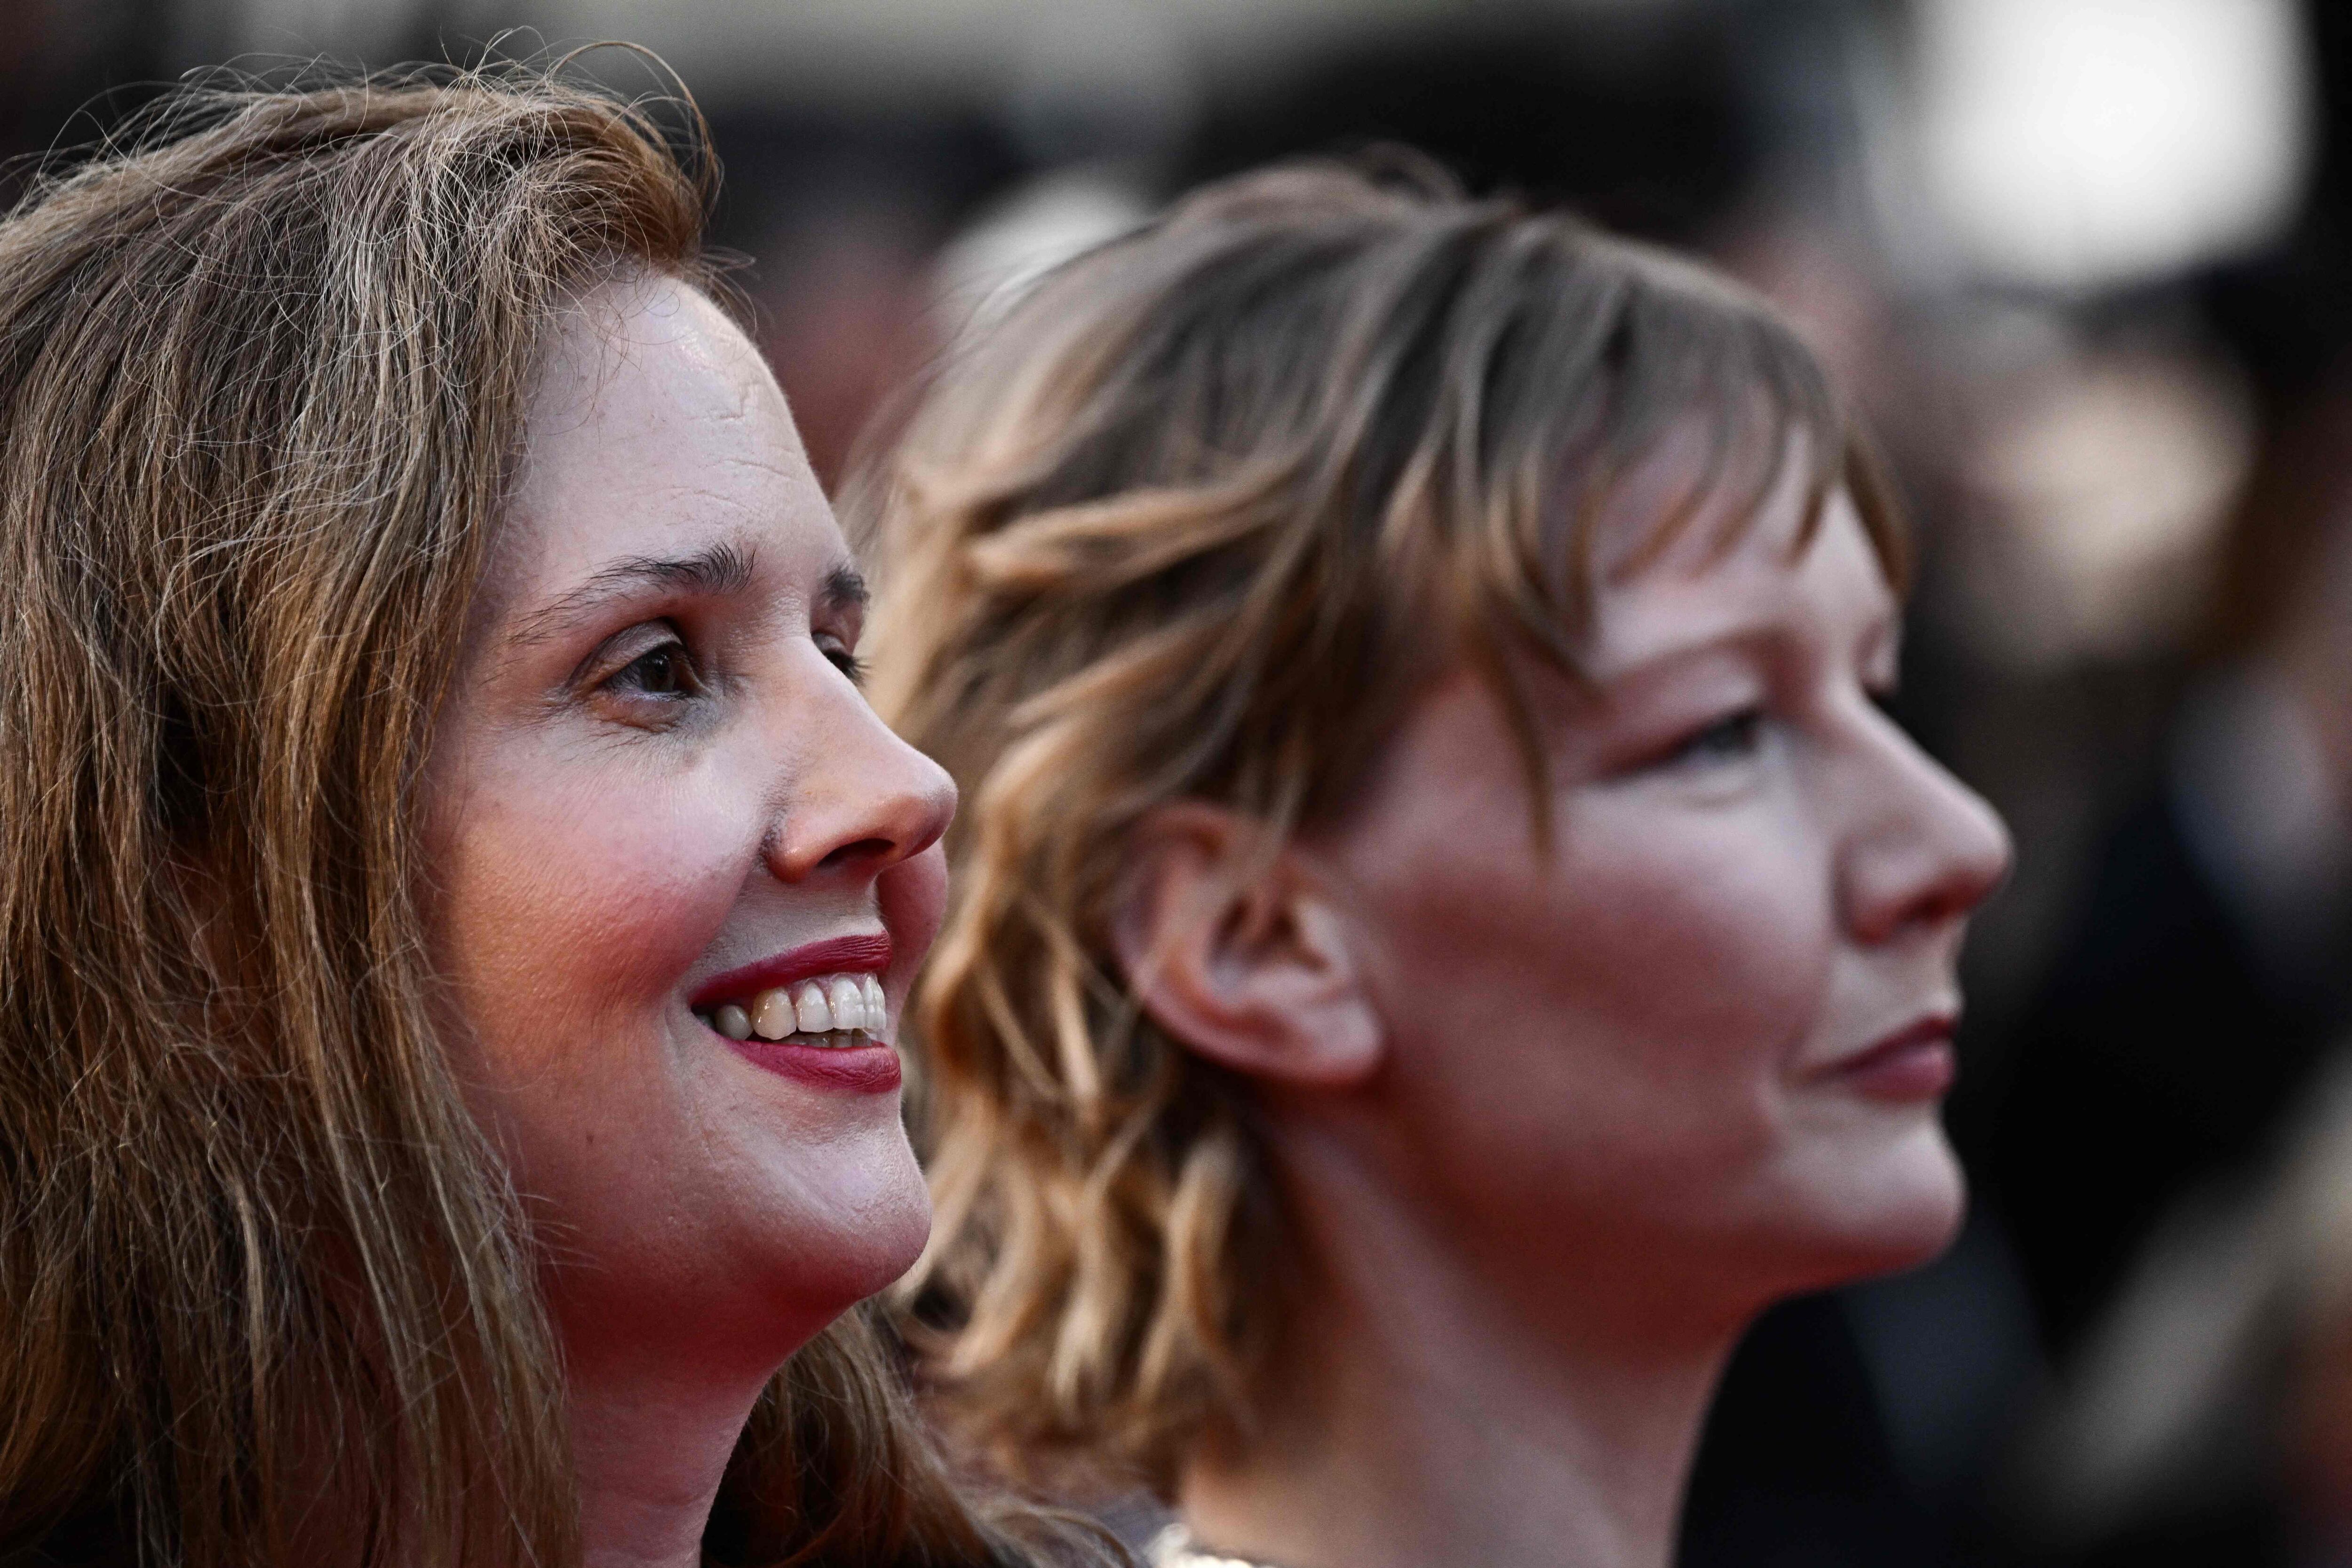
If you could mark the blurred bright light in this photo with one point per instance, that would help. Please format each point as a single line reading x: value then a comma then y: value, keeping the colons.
x: 2072, y: 143
x: 1026, y: 235
x: 2099, y: 486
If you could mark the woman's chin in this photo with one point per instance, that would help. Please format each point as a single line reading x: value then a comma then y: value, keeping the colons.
x: 895, y: 1241
x: 870, y: 1234
x: 1893, y: 1213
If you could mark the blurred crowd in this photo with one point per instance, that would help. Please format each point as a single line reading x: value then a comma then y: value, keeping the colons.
x: 2087, y: 268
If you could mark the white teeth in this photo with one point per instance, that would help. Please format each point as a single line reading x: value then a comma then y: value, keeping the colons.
x: 772, y: 1015
x: 811, y: 1008
x: 834, y: 1010
x: 848, y: 1001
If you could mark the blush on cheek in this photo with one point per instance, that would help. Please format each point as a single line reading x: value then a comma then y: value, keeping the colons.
x: 572, y: 916
x: 1716, y: 954
x: 1608, y: 1030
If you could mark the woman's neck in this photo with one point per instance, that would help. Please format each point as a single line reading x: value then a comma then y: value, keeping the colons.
x: 649, y: 1462
x: 651, y: 1437
x: 1421, y: 1416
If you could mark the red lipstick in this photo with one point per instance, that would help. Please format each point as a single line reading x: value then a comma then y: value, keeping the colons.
x: 833, y: 956
x: 1915, y: 1062
x: 860, y: 1069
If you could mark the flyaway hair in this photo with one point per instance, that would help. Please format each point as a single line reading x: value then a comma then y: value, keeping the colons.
x: 266, y: 1296
x: 1195, y: 520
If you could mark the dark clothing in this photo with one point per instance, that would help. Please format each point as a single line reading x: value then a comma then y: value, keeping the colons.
x: 1794, y: 1470
x: 2166, y: 1054
x: 2162, y: 1054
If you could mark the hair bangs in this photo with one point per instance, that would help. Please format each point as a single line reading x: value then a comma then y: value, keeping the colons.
x: 1197, y: 520
x: 1663, y: 373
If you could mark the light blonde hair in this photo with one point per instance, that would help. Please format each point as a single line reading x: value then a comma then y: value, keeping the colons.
x: 1196, y: 522
x: 268, y: 1296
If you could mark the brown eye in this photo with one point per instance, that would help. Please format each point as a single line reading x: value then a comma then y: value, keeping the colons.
x: 664, y: 672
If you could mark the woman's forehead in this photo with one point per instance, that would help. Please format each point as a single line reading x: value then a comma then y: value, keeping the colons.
x: 643, y: 352
x: 657, y: 432
x: 1778, y: 577
x: 1703, y: 494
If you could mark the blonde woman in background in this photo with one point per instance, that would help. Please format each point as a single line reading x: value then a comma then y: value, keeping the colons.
x: 454, y: 897
x: 1445, y: 933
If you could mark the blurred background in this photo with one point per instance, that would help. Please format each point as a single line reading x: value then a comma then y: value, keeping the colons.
x: 2087, y: 264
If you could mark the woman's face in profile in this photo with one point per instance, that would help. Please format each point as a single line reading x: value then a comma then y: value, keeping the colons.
x: 681, y: 874
x: 1709, y: 1027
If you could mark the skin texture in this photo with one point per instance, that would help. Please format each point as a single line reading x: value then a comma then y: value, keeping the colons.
x: 1556, y: 1121
x: 646, y: 775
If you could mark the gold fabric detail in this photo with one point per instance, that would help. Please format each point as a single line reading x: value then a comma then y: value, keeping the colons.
x: 1174, y: 1548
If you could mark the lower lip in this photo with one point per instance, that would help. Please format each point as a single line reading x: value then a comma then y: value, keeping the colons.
x: 860, y: 1069
x: 1918, y: 1069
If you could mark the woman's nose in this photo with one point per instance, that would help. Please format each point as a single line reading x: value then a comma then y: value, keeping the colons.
x: 859, y: 800
x: 1927, y: 850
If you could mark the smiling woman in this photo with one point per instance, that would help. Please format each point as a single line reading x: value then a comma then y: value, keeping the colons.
x: 1444, y: 933
x: 455, y: 898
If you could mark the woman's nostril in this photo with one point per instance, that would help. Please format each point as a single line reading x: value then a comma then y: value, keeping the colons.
x: 861, y: 848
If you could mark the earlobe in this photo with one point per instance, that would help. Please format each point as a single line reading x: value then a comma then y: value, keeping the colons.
x: 1248, y: 959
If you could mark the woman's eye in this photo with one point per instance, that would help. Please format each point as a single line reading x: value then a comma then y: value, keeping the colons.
x: 848, y: 663
x: 666, y: 671
x: 1729, y: 739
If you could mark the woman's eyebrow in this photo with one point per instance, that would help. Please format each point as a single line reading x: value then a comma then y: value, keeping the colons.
x: 724, y: 568
x: 844, y: 589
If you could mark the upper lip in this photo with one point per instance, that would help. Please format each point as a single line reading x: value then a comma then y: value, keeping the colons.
x: 868, y: 952
x: 1937, y: 1025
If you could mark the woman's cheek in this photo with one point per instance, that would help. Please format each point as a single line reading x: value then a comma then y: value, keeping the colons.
x: 1712, y: 930
x: 597, y: 899
x: 668, y: 866
x: 913, y: 895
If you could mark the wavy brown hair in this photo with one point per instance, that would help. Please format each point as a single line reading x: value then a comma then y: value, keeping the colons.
x: 265, y: 1294
x: 1196, y: 522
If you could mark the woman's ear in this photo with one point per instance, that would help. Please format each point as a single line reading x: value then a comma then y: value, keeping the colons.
x: 1246, y: 958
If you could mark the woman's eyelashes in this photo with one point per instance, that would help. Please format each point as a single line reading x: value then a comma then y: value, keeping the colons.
x: 1733, y: 737
x: 666, y: 671
x: 843, y: 656
x: 1740, y: 736
x: 648, y: 674
x: 651, y: 675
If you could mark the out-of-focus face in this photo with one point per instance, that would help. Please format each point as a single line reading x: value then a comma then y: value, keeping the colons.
x: 1700, y: 1041
x: 681, y: 874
